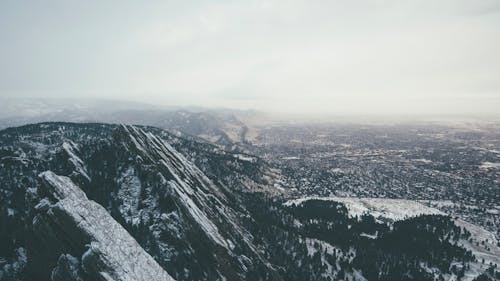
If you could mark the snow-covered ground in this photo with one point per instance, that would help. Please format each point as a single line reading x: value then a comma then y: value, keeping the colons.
x: 331, y: 270
x: 380, y: 208
x: 245, y: 157
x: 490, y: 165
x: 483, y: 246
x: 485, y: 239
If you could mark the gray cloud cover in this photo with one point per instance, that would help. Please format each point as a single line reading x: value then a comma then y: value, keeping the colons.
x: 389, y: 56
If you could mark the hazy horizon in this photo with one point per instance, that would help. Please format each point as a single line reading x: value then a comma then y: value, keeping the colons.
x: 33, y: 107
x: 287, y: 57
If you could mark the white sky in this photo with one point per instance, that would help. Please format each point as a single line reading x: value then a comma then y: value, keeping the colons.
x: 353, y: 56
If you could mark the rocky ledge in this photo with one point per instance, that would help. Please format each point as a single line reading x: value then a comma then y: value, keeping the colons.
x: 89, y: 243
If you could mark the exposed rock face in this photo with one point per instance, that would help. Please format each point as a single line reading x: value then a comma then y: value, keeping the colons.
x: 77, y: 223
x: 182, y: 207
x: 182, y: 179
x: 195, y: 227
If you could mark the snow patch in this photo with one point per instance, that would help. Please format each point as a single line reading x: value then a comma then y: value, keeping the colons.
x: 203, y: 221
x: 380, y: 208
x: 130, y: 190
x: 490, y: 165
x: 245, y: 157
x: 78, y: 163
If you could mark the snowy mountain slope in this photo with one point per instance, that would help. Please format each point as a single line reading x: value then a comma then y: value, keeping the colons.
x: 392, y: 210
x: 194, y: 228
x: 103, y: 248
x: 335, y: 245
x: 197, y: 199
x: 481, y: 243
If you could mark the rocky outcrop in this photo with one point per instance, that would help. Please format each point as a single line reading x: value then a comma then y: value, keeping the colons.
x: 178, y: 198
x: 73, y: 224
x: 182, y: 207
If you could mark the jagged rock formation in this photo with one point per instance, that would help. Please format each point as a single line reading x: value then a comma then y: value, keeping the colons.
x: 72, y: 222
x: 182, y: 207
x: 194, y: 228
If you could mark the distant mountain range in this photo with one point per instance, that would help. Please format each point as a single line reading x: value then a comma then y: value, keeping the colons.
x: 221, y: 126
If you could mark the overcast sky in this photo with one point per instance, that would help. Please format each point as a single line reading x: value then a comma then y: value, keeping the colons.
x: 427, y: 56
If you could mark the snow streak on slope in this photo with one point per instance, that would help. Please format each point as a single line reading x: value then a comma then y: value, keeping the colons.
x: 130, y: 190
x: 484, y: 239
x: 379, y: 208
x: 112, y: 253
x: 69, y: 148
x: 188, y: 181
x: 180, y: 194
x: 205, y: 223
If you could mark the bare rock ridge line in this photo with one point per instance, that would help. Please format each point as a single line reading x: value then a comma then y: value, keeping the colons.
x: 85, y: 229
x: 193, y: 188
x: 201, y: 204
